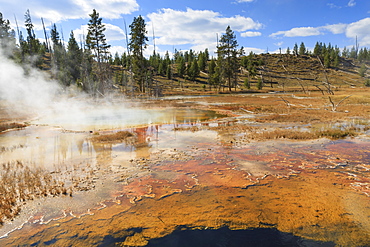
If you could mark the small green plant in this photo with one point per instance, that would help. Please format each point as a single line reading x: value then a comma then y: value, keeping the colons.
x: 362, y: 70
x: 259, y: 84
x: 367, y: 83
x: 247, y: 83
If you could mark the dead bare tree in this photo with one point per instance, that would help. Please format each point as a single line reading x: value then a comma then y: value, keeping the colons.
x: 335, y: 106
x: 326, y: 83
x: 322, y: 91
x: 286, y: 102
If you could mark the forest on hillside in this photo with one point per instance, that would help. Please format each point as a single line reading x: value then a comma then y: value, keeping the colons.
x: 90, y: 66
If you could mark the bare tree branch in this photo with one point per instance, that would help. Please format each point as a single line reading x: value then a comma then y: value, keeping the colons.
x: 335, y: 106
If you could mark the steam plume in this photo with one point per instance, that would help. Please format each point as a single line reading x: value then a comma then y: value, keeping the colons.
x: 25, y: 90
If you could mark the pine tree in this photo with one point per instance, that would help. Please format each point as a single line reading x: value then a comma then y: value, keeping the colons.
x: 191, y: 55
x: 117, y: 60
x: 317, y: 51
x: 288, y: 50
x: 97, y: 46
x: 228, y: 57
x: 162, y: 67
x: 95, y: 39
x: 32, y: 46
x: 247, y: 83
x: 7, y: 36
x: 59, y: 57
x: 211, y: 67
x: 334, y: 55
x: 124, y: 60
x: 193, y: 71
x: 295, y: 49
x: 362, y: 70
x: 206, y: 54
x: 353, y: 53
x: 362, y: 54
x: 302, y: 49
x: 202, y: 60
x: 137, y: 45
x: 169, y: 72
x: 214, y: 74
x: 181, y: 66
x: 345, y: 52
x: 259, y: 84
x: 154, y: 61
x: 30, y: 33
x: 327, y: 59
x: 74, y: 58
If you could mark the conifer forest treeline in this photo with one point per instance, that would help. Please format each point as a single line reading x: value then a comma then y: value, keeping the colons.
x: 88, y: 64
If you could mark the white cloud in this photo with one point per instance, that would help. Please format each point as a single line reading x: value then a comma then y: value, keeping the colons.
x: 311, y: 31
x: 298, y: 32
x: 279, y: 43
x: 55, y: 11
x: 196, y: 27
x: 244, y: 1
x: 250, y: 34
x: 247, y: 50
x: 119, y: 49
x: 351, y: 3
x: 336, y: 28
x: 359, y: 29
x: 111, y: 9
x: 112, y: 32
x: 80, y: 33
x: 333, y: 6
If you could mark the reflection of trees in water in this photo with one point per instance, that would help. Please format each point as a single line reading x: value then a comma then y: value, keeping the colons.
x: 144, y: 137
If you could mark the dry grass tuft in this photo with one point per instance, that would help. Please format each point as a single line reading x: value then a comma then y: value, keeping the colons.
x: 302, y: 117
x: 118, y: 136
x: 332, y: 133
x: 336, y: 133
x: 281, y: 134
x: 19, y: 183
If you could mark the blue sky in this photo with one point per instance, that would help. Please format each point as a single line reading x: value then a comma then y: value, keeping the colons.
x: 260, y: 25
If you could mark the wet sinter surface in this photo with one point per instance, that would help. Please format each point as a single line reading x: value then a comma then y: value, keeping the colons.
x: 193, y: 181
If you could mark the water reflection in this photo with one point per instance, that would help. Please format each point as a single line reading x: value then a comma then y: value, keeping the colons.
x: 99, y: 118
x: 227, y: 237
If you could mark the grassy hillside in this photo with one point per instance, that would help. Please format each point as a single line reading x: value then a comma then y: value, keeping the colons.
x: 279, y: 73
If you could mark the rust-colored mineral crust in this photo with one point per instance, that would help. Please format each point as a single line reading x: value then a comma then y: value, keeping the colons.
x: 283, y: 190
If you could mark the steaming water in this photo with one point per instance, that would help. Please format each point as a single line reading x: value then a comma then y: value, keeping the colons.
x: 120, y: 116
